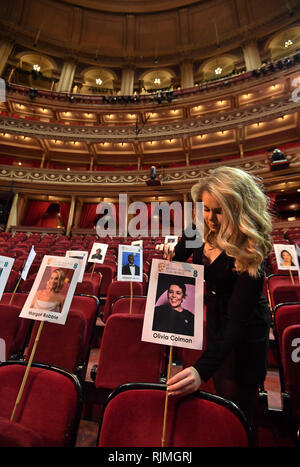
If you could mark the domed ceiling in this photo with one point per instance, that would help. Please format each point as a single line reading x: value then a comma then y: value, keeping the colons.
x: 142, y: 33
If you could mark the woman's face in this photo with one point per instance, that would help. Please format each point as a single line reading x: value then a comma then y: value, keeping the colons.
x: 212, y: 212
x: 175, y: 296
x: 287, y: 258
x: 53, y: 282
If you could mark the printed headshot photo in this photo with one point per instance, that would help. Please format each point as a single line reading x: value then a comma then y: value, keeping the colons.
x: 52, y: 289
x: 98, y: 253
x: 169, y: 239
x: 130, y: 263
x: 286, y: 257
x: 175, y: 305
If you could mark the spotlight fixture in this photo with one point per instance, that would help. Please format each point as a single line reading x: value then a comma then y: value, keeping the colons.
x: 99, y: 81
x: 218, y: 70
x: 36, y: 67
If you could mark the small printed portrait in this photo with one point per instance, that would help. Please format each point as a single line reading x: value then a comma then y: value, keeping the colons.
x: 97, y: 254
x: 175, y: 304
x: 130, y: 264
x: 286, y: 257
x: 51, y: 293
x: 171, y: 239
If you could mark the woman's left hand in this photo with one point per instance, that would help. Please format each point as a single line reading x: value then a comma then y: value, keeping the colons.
x: 183, y: 383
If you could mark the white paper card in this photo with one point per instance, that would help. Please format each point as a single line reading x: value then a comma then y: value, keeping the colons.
x: 51, y: 294
x: 82, y: 257
x: 31, y: 256
x: 286, y: 257
x: 98, y: 253
x: 6, y: 264
x: 130, y: 263
x: 174, y: 307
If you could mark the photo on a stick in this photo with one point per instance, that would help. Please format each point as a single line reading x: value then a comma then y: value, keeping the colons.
x: 130, y: 263
x: 174, y: 307
x: 53, y: 289
x: 286, y: 257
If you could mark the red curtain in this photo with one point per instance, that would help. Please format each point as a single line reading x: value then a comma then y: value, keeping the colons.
x: 88, y: 216
x: 34, y: 212
x: 64, y: 210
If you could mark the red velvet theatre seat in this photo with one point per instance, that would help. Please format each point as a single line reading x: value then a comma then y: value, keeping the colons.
x: 49, y: 410
x: 133, y: 416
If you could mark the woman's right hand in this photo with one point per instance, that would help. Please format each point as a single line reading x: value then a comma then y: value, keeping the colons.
x: 183, y: 383
x: 168, y: 252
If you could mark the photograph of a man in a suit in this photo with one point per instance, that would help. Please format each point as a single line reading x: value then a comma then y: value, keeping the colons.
x: 131, y: 268
x: 97, y: 255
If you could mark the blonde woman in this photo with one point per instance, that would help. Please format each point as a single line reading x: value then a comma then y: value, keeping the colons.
x: 50, y: 299
x: 237, y: 229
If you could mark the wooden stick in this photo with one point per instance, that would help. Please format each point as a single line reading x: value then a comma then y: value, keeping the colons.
x: 163, y: 438
x: 130, y: 304
x: 27, y: 370
x: 93, y: 269
x: 292, y: 277
x: 16, y: 288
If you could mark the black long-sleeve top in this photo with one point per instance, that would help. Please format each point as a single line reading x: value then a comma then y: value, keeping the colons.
x: 237, y: 317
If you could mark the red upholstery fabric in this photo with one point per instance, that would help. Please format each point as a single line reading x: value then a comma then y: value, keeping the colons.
x: 11, y: 281
x: 88, y: 306
x: 108, y: 272
x: 291, y: 365
x: 134, y: 417
x: 9, y: 324
x: 122, y: 305
x: 90, y: 284
x: 281, y: 289
x: 48, y: 406
x: 217, y: 425
x: 285, y: 315
x: 286, y: 293
x: 24, y: 324
x: 61, y: 345
x: 123, y: 356
x: 15, y: 435
x: 118, y: 289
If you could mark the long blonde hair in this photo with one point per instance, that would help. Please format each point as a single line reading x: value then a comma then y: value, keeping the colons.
x: 246, y: 224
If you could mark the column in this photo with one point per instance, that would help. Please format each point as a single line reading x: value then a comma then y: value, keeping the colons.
x: 66, y: 77
x: 251, y: 56
x: 5, y: 51
x: 187, y: 75
x: 127, y: 83
x: 13, y: 217
x: 71, y: 216
x: 78, y: 211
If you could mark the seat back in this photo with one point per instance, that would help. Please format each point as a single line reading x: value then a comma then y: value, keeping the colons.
x: 136, y: 305
x: 23, y: 326
x: 291, y: 366
x: 9, y: 325
x: 134, y: 414
x: 61, y: 345
x: 118, y: 289
x: 108, y: 272
x: 285, y: 314
x: 124, y: 357
x: 281, y: 289
x: 89, y: 305
x: 12, y: 281
x: 49, y: 409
